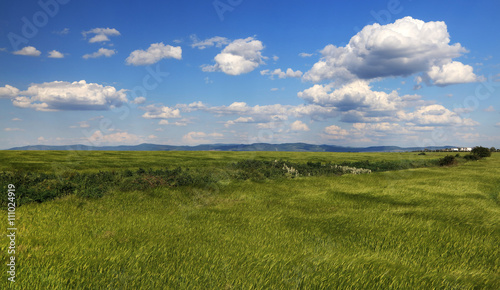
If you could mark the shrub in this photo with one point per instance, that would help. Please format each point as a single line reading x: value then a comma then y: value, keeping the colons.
x: 481, y: 152
x: 447, y: 161
x: 471, y: 157
x: 421, y: 153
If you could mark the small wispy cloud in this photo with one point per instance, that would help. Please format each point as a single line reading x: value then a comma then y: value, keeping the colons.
x: 101, y: 52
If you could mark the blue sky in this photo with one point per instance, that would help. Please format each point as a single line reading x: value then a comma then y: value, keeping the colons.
x: 352, y: 73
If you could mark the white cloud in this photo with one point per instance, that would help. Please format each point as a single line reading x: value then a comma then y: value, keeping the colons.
x: 28, y: 51
x: 62, y: 32
x: 259, y: 113
x: 303, y: 54
x: 194, y: 106
x: 281, y: 74
x: 451, y: 73
x: 119, y: 138
x: 84, y: 124
x: 163, y: 122
x: 402, y: 48
x: 384, y: 127
x: 151, y: 137
x: 55, y: 54
x: 299, y: 126
x: 489, y: 109
x: 100, y: 34
x: 275, y: 57
x: 239, y: 120
x: 200, y: 137
x: 435, y: 115
x: 12, y: 129
x: 335, y: 132
x: 59, y: 95
x: 155, y: 53
x: 217, y: 41
x: 139, y: 100
x: 8, y: 92
x: 357, y: 95
x: 239, y: 57
x: 274, y: 89
x: 101, y: 52
x: 162, y: 112
x: 16, y: 119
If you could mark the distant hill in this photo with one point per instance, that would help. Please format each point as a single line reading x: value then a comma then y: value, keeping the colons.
x: 296, y: 147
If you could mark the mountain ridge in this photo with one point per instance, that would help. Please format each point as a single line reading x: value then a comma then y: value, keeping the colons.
x: 293, y: 147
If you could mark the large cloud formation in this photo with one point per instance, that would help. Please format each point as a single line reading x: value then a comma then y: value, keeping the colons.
x: 59, y: 95
x: 402, y: 48
x: 239, y: 57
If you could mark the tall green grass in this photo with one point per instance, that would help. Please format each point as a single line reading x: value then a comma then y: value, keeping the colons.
x: 421, y: 228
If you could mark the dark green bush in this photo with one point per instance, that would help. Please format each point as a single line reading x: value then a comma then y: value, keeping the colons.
x: 470, y: 157
x: 481, y: 152
x: 447, y: 161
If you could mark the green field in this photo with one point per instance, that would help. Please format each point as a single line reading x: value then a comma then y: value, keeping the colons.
x: 418, y: 228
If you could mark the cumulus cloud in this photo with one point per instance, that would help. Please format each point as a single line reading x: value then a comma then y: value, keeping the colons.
x: 28, y: 51
x: 299, y: 126
x: 100, y: 34
x: 335, y: 132
x: 451, y: 73
x: 281, y: 74
x: 161, y: 112
x: 357, y: 95
x: 139, y: 100
x: 59, y: 95
x: 217, y: 41
x: 239, y: 120
x: 55, y: 54
x: 239, y: 57
x: 101, y: 52
x: 191, y: 107
x: 402, y: 48
x: 8, y: 92
x: 435, y: 115
x: 155, y: 53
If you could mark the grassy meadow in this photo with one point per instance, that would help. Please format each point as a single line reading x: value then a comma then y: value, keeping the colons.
x: 418, y: 228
